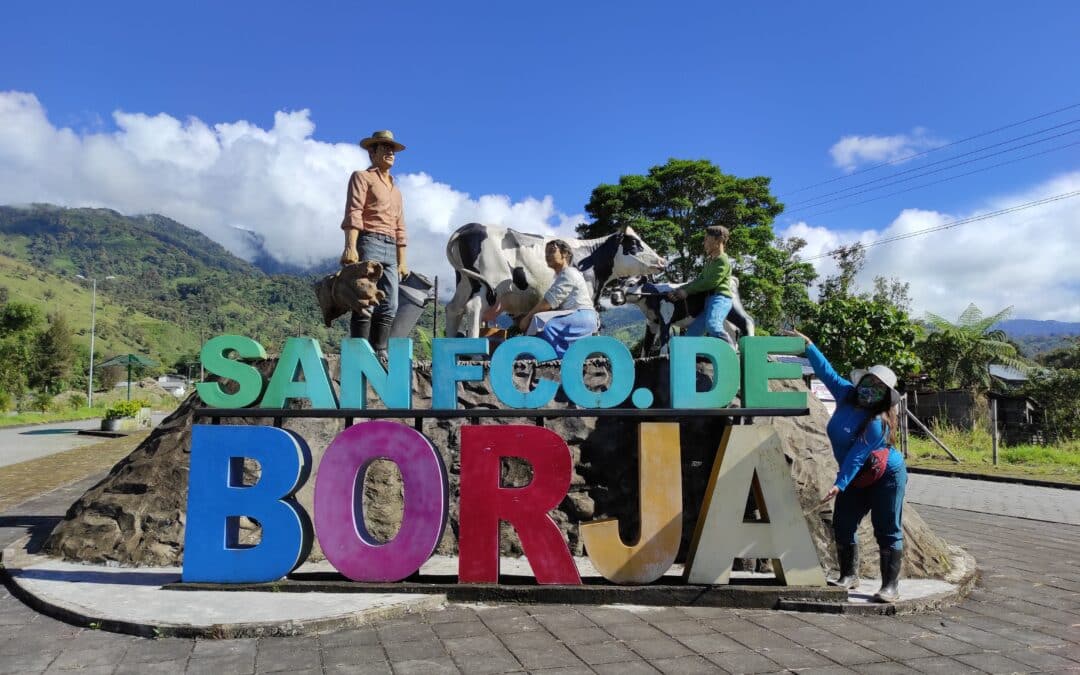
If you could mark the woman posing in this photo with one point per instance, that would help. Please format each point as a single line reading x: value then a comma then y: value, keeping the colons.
x: 872, y: 476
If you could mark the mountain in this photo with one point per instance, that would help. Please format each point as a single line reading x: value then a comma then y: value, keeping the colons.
x: 1036, y: 337
x: 172, y: 285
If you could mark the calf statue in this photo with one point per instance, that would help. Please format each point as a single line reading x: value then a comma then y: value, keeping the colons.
x: 661, y: 314
x: 350, y: 289
x: 499, y: 269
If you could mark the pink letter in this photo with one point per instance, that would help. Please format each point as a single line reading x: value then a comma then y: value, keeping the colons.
x: 484, y: 502
x: 339, y: 519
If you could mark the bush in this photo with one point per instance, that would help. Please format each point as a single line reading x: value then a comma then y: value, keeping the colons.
x: 76, y: 401
x: 42, y: 401
x: 124, y: 409
x: 6, y: 401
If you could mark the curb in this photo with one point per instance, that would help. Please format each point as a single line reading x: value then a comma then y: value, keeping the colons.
x: 290, y: 628
x: 1020, y: 480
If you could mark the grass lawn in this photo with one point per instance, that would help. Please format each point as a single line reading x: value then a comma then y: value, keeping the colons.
x: 1059, y: 463
x: 45, y: 418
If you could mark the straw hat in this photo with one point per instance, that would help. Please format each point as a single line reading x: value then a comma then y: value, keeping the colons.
x: 883, y: 373
x: 383, y: 136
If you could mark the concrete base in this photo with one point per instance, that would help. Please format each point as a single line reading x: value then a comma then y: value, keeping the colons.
x: 152, y: 602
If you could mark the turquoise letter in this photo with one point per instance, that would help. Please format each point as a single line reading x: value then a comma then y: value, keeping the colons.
x: 359, y: 365
x: 683, y: 375
x: 502, y: 373
x: 622, y: 372
x: 758, y: 370
x: 249, y: 380
x: 446, y: 372
x: 300, y: 355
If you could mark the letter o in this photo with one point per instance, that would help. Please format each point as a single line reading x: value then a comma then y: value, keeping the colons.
x: 622, y: 372
x: 502, y: 372
x: 339, y: 521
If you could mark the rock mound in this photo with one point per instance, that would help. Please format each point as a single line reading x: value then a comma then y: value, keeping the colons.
x: 135, y: 515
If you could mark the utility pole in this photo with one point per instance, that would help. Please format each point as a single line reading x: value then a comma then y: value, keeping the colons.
x: 93, y: 323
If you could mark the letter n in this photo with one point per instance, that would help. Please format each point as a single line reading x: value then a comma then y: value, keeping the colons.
x: 752, y: 456
x: 484, y: 502
x: 217, y: 498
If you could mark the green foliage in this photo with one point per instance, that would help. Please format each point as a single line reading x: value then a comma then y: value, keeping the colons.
x: 124, y: 409
x: 671, y: 206
x: 1063, y: 357
x: 959, y: 355
x: 42, y: 401
x: 857, y: 332
x: 6, y: 401
x: 18, y: 317
x: 1057, y: 394
x: 76, y: 401
x: 55, y: 355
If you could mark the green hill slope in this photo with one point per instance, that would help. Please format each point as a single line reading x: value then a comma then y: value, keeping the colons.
x: 173, y: 286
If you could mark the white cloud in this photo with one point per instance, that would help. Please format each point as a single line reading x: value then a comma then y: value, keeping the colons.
x: 223, y: 179
x: 851, y: 152
x: 1025, y: 259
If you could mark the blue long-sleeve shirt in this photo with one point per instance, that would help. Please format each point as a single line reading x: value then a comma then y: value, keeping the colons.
x: 850, y: 447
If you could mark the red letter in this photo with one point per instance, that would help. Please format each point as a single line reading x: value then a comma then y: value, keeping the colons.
x: 484, y: 502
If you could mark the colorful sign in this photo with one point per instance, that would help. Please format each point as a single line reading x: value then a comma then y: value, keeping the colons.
x: 748, y: 456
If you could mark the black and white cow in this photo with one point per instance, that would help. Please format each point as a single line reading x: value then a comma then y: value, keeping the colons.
x: 496, y: 267
x: 661, y: 314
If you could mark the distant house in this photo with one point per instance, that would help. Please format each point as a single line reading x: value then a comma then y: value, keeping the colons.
x: 176, y: 385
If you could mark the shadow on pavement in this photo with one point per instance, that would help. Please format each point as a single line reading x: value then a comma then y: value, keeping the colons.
x: 48, y: 432
x: 38, y: 527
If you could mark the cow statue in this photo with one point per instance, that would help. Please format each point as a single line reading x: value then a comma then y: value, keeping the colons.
x: 661, y: 314
x: 499, y: 269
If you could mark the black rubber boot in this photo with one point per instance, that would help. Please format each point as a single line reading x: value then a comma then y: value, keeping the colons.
x: 848, y: 557
x: 891, y: 561
x: 360, y: 325
x: 380, y: 334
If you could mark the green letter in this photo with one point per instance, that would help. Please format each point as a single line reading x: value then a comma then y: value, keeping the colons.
x: 248, y: 379
x: 758, y: 370
x: 359, y: 366
x: 300, y: 355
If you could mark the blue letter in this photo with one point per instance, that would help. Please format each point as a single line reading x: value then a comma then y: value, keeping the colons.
x: 300, y: 355
x: 446, y: 372
x: 502, y: 373
x: 683, y: 375
x: 217, y: 498
x: 359, y: 366
x: 622, y: 372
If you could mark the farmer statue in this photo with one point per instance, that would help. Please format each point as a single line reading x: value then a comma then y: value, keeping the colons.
x: 374, y: 226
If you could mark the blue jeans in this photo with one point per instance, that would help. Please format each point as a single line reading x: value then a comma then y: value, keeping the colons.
x: 711, y: 320
x: 885, y: 502
x: 372, y: 247
x: 562, y: 331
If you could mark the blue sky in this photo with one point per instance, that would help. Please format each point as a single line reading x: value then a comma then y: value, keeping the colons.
x: 549, y: 100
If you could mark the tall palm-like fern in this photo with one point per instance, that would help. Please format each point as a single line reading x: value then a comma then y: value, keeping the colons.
x: 960, y: 354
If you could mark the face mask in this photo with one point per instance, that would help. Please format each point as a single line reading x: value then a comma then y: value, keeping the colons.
x: 869, y: 395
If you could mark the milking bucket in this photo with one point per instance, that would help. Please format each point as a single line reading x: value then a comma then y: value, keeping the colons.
x: 414, y: 291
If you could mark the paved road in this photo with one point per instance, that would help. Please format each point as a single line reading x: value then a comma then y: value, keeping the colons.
x: 1053, y: 505
x: 25, y: 443
x: 1023, y: 617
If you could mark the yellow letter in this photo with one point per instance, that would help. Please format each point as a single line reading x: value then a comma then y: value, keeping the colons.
x: 660, y: 494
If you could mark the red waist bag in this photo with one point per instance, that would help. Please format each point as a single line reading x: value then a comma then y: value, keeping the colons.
x: 872, y: 469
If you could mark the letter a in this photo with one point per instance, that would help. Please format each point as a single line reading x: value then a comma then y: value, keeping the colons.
x: 484, y: 502
x: 751, y: 455
x: 660, y: 496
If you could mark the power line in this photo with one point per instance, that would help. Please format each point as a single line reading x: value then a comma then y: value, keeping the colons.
x: 950, y: 159
x: 955, y: 223
x: 927, y: 152
x: 939, y: 181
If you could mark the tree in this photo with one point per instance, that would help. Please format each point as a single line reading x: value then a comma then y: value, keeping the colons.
x: 670, y: 207
x: 858, y: 330
x: 959, y: 355
x: 1062, y: 357
x: 55, y: 354
x: 1057, y: 394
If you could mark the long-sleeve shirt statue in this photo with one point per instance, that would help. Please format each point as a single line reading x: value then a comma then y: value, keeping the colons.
x: 715, y: 277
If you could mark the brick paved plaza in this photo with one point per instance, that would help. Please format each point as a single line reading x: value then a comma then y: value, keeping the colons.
x: 1024, y: 616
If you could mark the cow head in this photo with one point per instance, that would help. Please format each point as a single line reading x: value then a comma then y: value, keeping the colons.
x: 634, y: 257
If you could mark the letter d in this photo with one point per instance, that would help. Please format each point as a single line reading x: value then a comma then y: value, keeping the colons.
x: 217, y: 498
